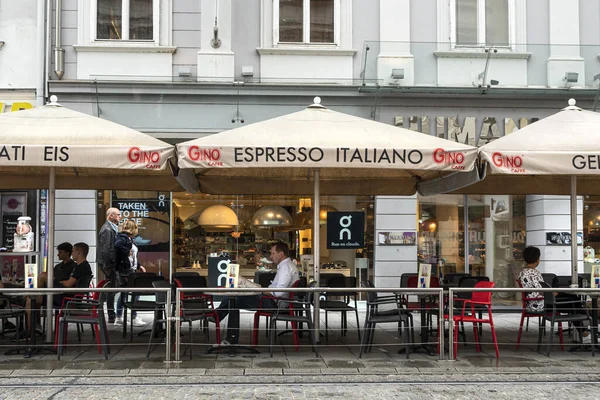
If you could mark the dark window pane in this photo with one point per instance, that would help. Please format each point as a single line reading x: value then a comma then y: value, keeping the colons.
x: 466, y: 22
x: 291, y: 19
x: 109, y: 20
x: 321, y: 21
x: 496, y: 22
x: 140, y: 20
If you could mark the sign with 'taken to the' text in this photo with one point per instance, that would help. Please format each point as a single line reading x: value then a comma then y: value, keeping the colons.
x: 345, y: 230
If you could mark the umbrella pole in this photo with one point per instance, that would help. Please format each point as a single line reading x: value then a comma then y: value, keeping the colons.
x: 574, y: 274
x: 50, y: 241
x: 316, y: 249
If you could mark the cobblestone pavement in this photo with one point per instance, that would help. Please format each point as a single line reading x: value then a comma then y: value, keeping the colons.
x: 192, y: 383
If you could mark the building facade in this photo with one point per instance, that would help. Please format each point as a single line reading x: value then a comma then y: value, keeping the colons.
x: 465, y: 70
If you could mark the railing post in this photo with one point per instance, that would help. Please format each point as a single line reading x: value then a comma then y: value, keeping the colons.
x: 177, y: 325
x: 168, y: 326
x: 450, y: 324
x: 441, y: 323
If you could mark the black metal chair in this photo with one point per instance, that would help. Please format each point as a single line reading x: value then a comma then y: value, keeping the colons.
x: 324, y: 278
x: 549, y: 278
x: 178, y: 275
x: 160, y: 307
x: 197, y: 306
x: 264, y: 278
x: 562, y: 281
x: 341, y: 305
x: 374, y: 315
x: 555, y: 315
x: 132, y: 301
x: 454, y: 278
x: 296, y: 310
x: 10, y: 310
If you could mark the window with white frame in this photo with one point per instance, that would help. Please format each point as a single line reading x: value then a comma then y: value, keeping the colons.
x: 477, y: 23
x: 306, y: 21
x: 133, y: 20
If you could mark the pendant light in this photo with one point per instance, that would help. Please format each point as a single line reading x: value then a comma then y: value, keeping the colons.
x: 271, y: 217
x: 218, y: 218
x: 308, y: 216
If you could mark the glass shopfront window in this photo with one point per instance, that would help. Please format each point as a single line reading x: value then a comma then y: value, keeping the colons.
x: 492, y: 246
x: 202, y: 229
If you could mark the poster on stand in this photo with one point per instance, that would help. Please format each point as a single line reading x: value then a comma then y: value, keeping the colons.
x: 595, y: 281
x: 424, y: 275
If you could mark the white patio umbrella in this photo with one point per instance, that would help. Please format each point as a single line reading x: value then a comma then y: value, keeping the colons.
x: 345, y: 155
x: 550, y: 156
x: 55, y: 147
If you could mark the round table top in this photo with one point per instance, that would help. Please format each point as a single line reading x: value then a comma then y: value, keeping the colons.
x: 233, y: 294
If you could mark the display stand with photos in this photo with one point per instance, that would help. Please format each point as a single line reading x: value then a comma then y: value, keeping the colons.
x: 424, y: 280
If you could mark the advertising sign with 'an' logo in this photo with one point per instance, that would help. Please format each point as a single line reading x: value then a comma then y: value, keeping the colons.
x: 345, y: 230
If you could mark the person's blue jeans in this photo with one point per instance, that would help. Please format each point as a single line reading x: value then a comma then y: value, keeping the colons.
x: 120, y: 306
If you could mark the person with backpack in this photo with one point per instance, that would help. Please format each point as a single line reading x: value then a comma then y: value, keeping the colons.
x: 127, y: 263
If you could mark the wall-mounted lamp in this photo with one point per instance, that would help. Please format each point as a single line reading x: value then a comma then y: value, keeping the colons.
x: 398, y: 73
x: 494, y: 82
x: 571, y: 77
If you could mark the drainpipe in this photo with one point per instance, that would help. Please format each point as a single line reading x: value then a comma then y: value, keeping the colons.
x: 59, y: 52
x: 48, y: 48
x: 41, y: 42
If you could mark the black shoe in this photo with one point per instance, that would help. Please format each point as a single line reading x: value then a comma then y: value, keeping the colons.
x: 111, y: 320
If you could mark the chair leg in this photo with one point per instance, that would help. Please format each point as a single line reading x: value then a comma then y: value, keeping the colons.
x: 455, y: 341
x: 357, y: 321
x: 97, y: 337
x: 191, y: 341
x: 365, y: 338
x: 476, y: 334
x: 255, y: 330
x: 561, y: 337
x: 406, y: 338
x: 526, y: 326
x: 154, y: 325
x: 541, y: 332
x: 550, y: 337
x: 61, y: 331
x: 493, y: 329
x: 521, y: 329
x: 272, y: 335
x: 326, y: 327
x: 313, y: 341
x: 295, y: 335
x: 103, y: 338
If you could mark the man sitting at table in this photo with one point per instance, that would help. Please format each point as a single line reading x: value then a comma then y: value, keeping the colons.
x: 82, y: 269
x: 64, y: 268
x: 287, y: 275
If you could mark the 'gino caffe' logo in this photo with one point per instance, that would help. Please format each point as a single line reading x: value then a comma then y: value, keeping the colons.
x: 211, y: 156
x: 151, y: 159
x: 513, y: 163
x: 455, y: 159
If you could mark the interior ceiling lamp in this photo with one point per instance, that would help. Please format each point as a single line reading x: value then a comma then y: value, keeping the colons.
x: 429, y: 225
x: 308, y: 216
x: 271, y: 217
x: 218, y: 218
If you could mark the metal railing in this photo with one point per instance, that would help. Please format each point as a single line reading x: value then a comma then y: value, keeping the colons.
x: 46, y: 291
x: 440, y: 293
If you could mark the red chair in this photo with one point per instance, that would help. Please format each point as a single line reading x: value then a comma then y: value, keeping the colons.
x: 95, y: 297
x: 269, y: 312
x: 539, y: 315
x: 469, y: 315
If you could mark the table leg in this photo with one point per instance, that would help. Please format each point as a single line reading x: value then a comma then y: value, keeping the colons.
x: 423, y: 347
x: 33, y: 348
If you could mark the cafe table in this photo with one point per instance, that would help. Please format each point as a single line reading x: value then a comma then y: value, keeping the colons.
x: 424, y: 346
x: 32, y: 347
x: 233, y: 326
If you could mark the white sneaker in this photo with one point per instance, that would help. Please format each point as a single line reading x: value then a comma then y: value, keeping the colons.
x: 118, y: 321
x: 586, y: 339
x: 139, y: 322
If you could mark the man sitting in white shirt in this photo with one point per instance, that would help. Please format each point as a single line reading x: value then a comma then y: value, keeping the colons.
x: 287, y: 275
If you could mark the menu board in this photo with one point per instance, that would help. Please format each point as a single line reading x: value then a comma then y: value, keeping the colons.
x: 13, y: 206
